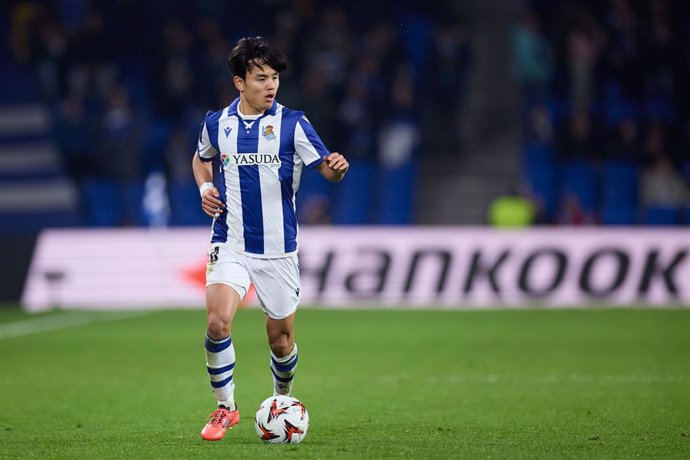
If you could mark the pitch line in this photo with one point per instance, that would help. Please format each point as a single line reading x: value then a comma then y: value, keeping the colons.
x: 63, y: 321
x: 546, y: 379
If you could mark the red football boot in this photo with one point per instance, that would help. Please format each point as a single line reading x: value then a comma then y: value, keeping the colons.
x: 219, y: 422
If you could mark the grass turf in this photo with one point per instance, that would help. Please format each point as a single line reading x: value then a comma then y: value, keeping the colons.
x: 415, y: 384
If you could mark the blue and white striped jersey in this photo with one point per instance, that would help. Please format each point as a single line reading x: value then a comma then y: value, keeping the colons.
x: 257, y: 166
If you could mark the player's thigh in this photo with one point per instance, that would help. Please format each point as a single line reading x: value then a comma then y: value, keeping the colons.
x: 277, y: 285
x: 227, y: 282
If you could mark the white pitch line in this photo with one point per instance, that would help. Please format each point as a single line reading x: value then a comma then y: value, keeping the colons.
x: 63, y: 321
x: 512, y: 379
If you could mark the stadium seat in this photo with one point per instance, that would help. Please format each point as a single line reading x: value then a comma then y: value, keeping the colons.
x: 30, y: 222
x: 101, y: 203
x: 619, y: 193
x: 311, y: 184
x: 535, y: 154
x: 661, y: 108
x: 110, y: 204
x: 662, y: 216
x: 354, y: 196
x: 396, y: 193
x: 619, y: 106
x: 579, y: 178
x: 185, y: 206
x: 539, y: 172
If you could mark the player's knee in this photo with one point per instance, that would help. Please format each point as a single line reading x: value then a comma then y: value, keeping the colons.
x: 218, y: 327
x: 281, y: 345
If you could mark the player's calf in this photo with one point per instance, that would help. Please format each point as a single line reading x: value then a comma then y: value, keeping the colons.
x: 283, y: 370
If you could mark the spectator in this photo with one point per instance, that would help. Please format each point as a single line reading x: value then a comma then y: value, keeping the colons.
x: 534, y: 56
x: 625, y: 145
x: 616, y: 70
x: 662, y: 186
x: 579, y: 142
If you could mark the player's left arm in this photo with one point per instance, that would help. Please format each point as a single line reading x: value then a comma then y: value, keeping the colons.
x: 334, y: 167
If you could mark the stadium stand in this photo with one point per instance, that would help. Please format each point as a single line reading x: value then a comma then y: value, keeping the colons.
x: 125, y: 100
x: 606, y: 110
x: 420, y: 98
x: 34, y: 189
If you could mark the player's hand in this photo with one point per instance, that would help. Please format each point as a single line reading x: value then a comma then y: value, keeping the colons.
x: 211, y: 204
x: 336, y: 162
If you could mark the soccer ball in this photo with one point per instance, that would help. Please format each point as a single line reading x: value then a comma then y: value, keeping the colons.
x: 281, y: 419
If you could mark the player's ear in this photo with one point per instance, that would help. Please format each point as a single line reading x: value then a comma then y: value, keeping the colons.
x: 239, y: 83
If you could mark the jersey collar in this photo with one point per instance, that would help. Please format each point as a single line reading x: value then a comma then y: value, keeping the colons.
x: 232, y: 109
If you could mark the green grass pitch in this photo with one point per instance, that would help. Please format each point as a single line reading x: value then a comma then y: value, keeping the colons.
x: 596, y: 383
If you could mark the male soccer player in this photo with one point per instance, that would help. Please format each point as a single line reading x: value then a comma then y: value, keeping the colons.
x: 248, y: 164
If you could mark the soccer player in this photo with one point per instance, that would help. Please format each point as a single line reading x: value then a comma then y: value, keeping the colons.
x: 248, y: 164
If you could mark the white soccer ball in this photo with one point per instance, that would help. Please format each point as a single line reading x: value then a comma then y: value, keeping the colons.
x: 281, y: 419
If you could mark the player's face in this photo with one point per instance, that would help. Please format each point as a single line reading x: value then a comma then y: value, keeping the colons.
x: 258, y: 88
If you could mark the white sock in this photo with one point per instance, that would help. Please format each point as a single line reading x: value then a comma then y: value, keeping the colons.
x: 220, y: 363
x: 283, y: 370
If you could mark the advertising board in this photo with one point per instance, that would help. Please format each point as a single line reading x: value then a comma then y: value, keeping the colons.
x: 444, y: 267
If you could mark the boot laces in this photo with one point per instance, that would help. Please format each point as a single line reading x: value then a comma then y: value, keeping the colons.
x: 219, y: 416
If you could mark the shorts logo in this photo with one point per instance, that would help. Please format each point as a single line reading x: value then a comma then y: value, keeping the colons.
x: 225, y: 158
x: 267, y: 132
x: 213, y: 255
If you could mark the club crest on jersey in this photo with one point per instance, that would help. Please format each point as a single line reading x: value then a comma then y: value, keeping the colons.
x: 225, y: 158
x: 267, y: 132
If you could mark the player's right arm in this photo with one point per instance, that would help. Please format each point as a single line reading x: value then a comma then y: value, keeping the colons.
x: 210, y: 197
x: 203, y: 174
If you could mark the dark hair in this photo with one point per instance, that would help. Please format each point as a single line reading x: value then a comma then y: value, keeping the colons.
x: 255, y: 51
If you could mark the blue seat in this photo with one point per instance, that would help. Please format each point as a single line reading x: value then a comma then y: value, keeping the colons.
x: 311, y: 185
x: 354, y: 196
x: 619, y: 106
x: 542, y: 182
x: 539, y: 172
x: 662, y: 216
x: 661, y: 108
x: 619, y: 193
x: 579, y: 178
x: 396, y: 191
x: 31, y: 222
x: 103, y: 204
x: 535, y: 154
x: 185, y: 205
x: 109, y: 203
x: 619, y: 215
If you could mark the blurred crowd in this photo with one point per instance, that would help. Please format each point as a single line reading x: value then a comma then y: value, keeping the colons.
x: 129, y: 82
x: 607, y: 110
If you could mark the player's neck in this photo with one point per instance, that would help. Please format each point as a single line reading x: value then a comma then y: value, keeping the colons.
x: 247, y: 110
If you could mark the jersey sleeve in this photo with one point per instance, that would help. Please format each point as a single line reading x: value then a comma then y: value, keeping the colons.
x: 308, y: 144
x: 204, y: 148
